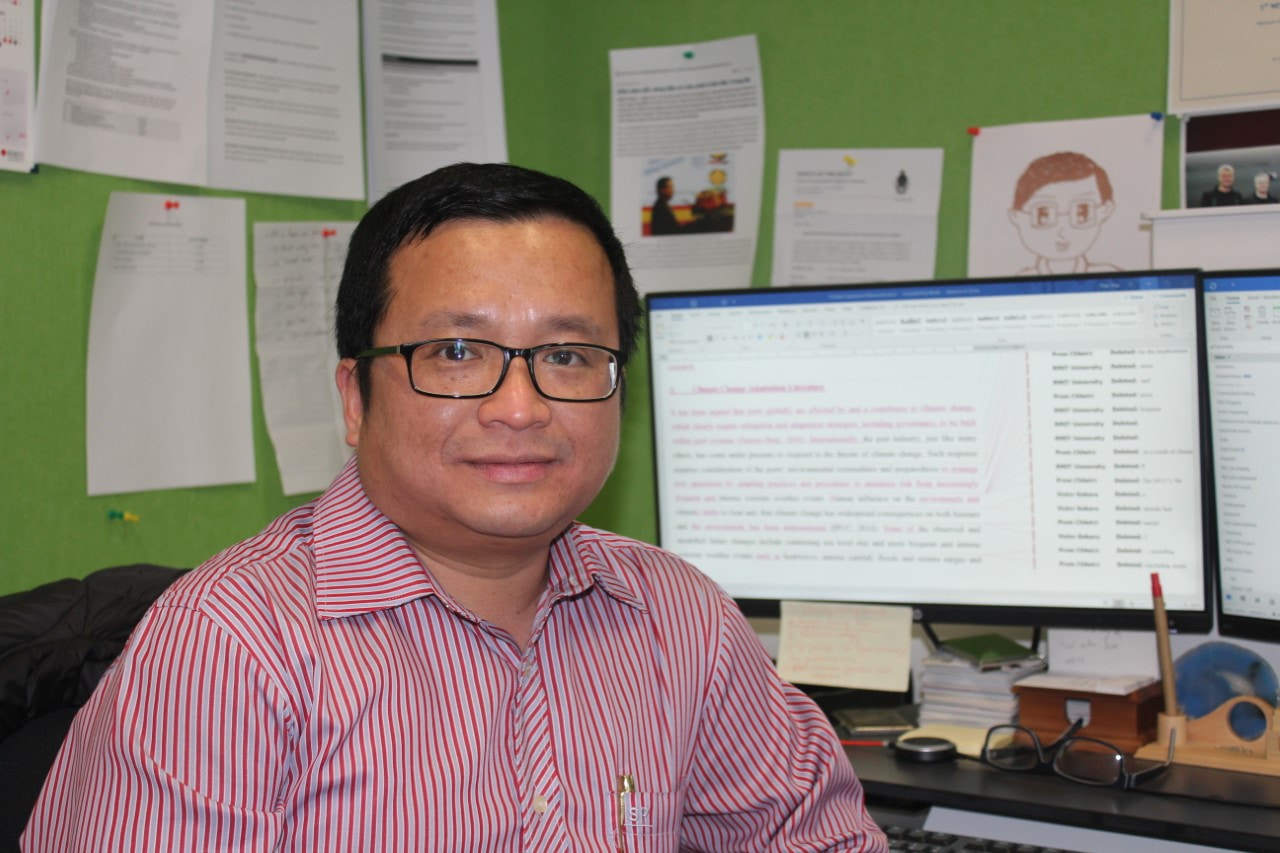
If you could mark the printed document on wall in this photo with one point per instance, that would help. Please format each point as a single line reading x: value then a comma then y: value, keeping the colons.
x: 296, y: 270
x: 1064, y: 197
x: 167, y: 378
x: 284, y: 98
x: 17, y: 85
x: 1223, y: 54
x: 688, y: 161
x: 124, y: 88
x: 259, y: 95
x: 433, y: 88
x: 850, y: 215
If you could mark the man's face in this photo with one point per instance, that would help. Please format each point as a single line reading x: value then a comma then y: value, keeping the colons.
x: 1262, y: 185
x: 1226, y: 177
x: 510, y: 470
x: 666, y: 189
x: 1062, y: 220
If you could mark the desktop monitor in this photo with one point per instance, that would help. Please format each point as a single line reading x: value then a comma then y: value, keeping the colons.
x: 1242, y: 335
x: 1022, y: 451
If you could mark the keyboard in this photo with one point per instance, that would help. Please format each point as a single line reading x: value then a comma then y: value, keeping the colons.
x: 928, y: 841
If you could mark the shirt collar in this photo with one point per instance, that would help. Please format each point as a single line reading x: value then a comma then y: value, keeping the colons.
x: 581, y: 558
x: 364, y: 563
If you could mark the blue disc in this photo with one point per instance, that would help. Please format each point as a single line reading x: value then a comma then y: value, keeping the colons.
x: 1213, y: 673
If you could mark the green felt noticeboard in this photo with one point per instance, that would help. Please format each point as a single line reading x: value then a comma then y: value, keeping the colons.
x: 837, y: 74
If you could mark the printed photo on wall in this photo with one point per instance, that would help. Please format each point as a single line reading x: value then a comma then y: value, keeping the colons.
x: 1231, y: 159
x: 1064, y: 197
x: 687, y: 195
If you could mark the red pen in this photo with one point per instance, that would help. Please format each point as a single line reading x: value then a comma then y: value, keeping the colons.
x: 865, y: 742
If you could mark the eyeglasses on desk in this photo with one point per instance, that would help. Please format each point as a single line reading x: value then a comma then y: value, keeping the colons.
x: 1071, y: 756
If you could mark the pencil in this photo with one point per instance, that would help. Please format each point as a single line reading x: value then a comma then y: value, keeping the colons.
x: 1162, y: 647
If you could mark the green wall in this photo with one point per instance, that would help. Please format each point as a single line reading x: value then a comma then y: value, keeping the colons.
x: 837, y: 73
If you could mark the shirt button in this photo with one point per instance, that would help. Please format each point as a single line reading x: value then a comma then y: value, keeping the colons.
x: 540, y: 804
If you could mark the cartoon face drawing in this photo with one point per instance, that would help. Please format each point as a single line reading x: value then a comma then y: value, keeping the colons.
x: 1060, y: 204
x: 1062, y: 220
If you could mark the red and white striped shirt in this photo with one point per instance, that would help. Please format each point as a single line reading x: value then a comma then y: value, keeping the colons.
x: 311, y: 689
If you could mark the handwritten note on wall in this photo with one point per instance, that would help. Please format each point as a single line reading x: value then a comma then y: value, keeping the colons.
x: 845, y: 645
x: 297, y: 267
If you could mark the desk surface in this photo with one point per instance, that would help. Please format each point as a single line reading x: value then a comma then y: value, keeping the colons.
x: 1162, y: 809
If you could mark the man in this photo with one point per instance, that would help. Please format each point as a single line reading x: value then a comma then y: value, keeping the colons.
x: 1060, y: 203
x: 433, y: 655
x: 1222, y: 195
x: 662, y: 220
x: 1262, y: 189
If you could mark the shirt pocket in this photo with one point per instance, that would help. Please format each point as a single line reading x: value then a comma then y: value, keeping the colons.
x: 648, y: 821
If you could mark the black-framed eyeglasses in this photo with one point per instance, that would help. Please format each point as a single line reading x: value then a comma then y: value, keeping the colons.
x: 1080, y: 759
x: 462, y: 368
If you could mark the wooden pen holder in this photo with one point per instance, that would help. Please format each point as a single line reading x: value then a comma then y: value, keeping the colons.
x: 1211, y: 741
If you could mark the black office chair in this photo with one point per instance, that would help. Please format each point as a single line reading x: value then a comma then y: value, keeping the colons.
x: 56, y: 641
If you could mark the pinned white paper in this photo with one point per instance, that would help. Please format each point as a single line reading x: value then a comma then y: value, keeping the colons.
x: 168, y: 374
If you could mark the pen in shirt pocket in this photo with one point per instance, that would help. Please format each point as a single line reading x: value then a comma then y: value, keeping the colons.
x: 626, y: 785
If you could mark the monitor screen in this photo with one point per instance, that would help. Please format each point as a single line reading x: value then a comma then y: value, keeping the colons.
x: 1242, y: 334
x: 1009, y: 451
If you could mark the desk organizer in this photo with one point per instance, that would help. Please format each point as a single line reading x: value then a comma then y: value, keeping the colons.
x: 1210, y: 741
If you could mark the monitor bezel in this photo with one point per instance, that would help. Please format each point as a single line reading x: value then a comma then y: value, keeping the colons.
x: 1180, y: 621
x: 1229, y: 624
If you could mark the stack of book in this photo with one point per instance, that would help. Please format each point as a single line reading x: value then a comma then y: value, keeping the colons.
x: 971, y: 684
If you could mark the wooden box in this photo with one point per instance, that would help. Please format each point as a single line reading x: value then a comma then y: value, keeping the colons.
x: 1126, y: 721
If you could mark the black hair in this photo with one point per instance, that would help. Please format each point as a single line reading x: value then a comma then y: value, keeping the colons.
x: 495, y: 192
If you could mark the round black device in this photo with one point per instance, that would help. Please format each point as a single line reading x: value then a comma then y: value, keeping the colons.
x: 927, y: 749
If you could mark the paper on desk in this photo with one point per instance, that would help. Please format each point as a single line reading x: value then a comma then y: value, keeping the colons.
x: 862, y: 647
x: 168, y: 371
x: 296, y: 269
